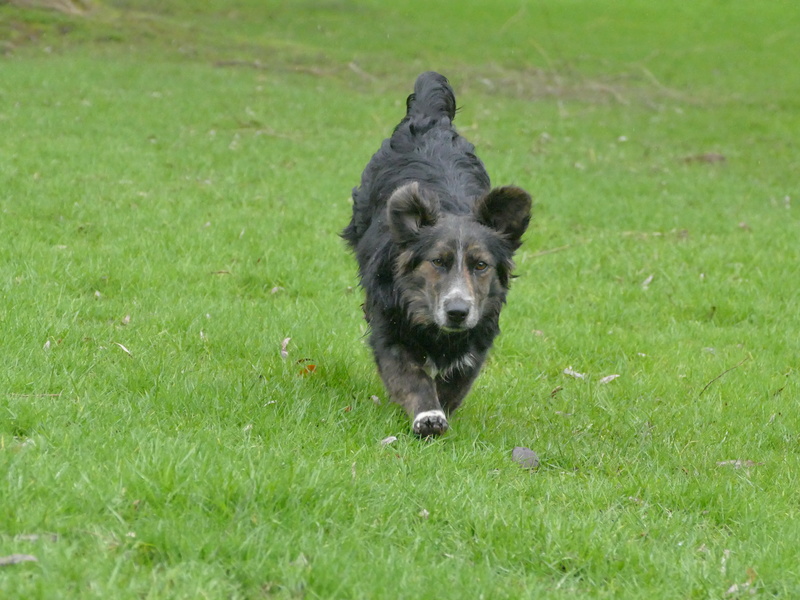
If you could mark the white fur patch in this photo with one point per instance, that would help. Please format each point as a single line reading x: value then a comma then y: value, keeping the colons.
x: 429, y: 414
x: 462, y: 363
x: 461, y: 290
x: 468, y: 361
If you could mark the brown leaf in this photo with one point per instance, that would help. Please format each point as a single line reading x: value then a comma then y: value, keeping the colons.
x: 308, y: 369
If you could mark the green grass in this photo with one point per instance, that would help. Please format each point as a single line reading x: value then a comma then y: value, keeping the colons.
x: 172, y: 180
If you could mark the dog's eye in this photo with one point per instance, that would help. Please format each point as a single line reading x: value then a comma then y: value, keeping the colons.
x: 437, y: 262
x: 481, y: 266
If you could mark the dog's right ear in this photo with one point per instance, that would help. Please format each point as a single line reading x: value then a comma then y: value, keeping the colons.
x: 410, y: 209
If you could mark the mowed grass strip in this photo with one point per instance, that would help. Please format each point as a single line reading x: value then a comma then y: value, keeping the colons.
x: 172, y: 183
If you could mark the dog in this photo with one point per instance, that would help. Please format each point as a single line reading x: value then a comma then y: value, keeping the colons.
x: 434, y: 244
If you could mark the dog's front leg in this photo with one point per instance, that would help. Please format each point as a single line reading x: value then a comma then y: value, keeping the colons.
x: 410, y: 386
x: 452, y: 389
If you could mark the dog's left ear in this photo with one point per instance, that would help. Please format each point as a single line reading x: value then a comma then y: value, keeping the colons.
x: 410, y: 209
x: 507, y: 210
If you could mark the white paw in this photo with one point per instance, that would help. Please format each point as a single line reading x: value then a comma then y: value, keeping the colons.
x: 430, y: 422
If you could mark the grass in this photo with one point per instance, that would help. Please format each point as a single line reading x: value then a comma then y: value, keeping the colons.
x: 172, y: 181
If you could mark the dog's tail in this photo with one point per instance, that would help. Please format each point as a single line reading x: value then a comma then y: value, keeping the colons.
x: 432, y: 97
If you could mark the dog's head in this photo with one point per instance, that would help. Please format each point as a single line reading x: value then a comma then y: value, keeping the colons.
x: 454, y: 269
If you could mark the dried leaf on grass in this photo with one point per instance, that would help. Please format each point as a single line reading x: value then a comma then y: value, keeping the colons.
x: 15, y: 559
x: 609, y: 378
x: 706, y: 157
x: 35, y: 537
x: 388, y: 440
x: 572, y: 373
x: 747, y: 587
x: 740, y: 588
x: 284, y: 346
x: 308, y: 367
x: 739, y: 464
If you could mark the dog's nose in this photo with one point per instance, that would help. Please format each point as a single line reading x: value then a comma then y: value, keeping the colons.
x: 457, y: 311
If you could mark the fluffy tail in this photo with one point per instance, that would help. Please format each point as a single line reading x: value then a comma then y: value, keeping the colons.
x: 432, y: 97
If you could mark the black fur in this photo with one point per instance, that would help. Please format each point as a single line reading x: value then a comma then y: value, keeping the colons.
x: 434, y: 244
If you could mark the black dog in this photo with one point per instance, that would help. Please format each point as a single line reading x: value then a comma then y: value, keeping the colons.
x: 434, y: 245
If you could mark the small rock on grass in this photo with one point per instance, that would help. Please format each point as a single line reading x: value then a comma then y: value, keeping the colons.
x: 525, y: 457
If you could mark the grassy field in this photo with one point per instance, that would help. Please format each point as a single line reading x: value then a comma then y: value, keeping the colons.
x: 173, y: 176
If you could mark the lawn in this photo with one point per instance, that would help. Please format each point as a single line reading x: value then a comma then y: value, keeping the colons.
x: 173, y: 178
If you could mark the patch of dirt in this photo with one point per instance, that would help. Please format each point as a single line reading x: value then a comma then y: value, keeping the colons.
x: 636, y: 86
x: 88, y: 21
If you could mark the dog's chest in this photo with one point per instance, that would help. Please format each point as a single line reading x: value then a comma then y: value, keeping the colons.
x: 465, y: 362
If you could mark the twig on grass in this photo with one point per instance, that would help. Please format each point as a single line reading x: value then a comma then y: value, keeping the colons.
x: 258, y: 65
x: 654, y: 80
x: 361, y: 72
x: 253, y: 64
x: 725, y: 372
x: 514, y: 18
